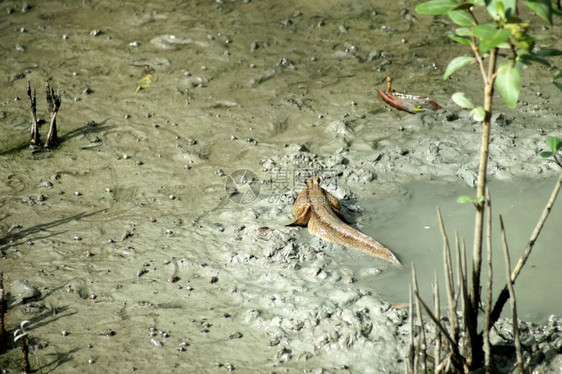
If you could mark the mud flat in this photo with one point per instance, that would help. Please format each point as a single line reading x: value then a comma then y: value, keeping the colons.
x: 136, y: 246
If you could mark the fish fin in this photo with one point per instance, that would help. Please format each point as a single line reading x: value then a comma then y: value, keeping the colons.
x: 302, y: 220
x: 336, y: 206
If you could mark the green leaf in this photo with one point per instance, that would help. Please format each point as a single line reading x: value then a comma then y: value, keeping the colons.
x: 554, y: 143
x: 500, y: 9
x: 510, y: 7
x: 479, y: 199
x: 484, y: 30
x: 526, y: 57
x: 490, y: 36
x: 546, y: 154
x: 435, y: 7
x: 464, y: 199
x: 463, y: 31
x: 461, y: 100
x: 543, y: 8
x: 463, y: 6
x: 492, y: 8
x: 508, y: 83
x: 457, y: 63
x: 461, y: 17
x: 461, y: 39
x: 478, y: 114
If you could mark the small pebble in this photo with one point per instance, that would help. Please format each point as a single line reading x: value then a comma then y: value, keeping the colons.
x: 156, y: 343
x: 46, y: 184
x: 173, y: 279
x: 234, y: 335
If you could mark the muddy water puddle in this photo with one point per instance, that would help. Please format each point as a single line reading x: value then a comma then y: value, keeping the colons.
x: 409, y: 223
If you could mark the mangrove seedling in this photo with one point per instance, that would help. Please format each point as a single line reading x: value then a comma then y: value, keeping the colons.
x: 54, y: 101
x: 35, y: 137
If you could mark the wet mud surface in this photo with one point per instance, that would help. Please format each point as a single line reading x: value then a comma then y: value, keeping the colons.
x: 136, y: 245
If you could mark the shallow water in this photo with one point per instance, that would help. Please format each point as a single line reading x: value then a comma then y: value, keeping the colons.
x: 142, y: 258
x: 408, y: 223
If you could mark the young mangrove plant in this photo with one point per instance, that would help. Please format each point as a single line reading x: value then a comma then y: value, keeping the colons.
x: 53, y: 102
x: 501, y: 45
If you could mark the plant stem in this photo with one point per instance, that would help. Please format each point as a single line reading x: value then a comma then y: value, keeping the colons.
x: 475, y: 343
x: 436, y: 306
x: 512, y: 301
x: 35, y: 138
x: 421, y: 339
x: 486, y: 346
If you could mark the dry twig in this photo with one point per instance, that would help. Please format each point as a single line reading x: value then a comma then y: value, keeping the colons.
x: 421, y: 341
x: 512, y: 300
x: 486, y: 346
x: 35, y: 138
x: 54, y: 102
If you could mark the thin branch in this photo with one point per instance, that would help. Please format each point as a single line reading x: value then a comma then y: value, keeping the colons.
x: 35, y: 138
x: 448, y: 277
x: 461, y: 280
x: 412, y: 350
x: 512, y: 301
x: 422, y: 340
x: 54, y: 102
x: 437, y: 311
x: 456, y: 356
x: 492, y: 66
x: 487, y: 348
x: 479, y: 59
x: 464, y: 286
